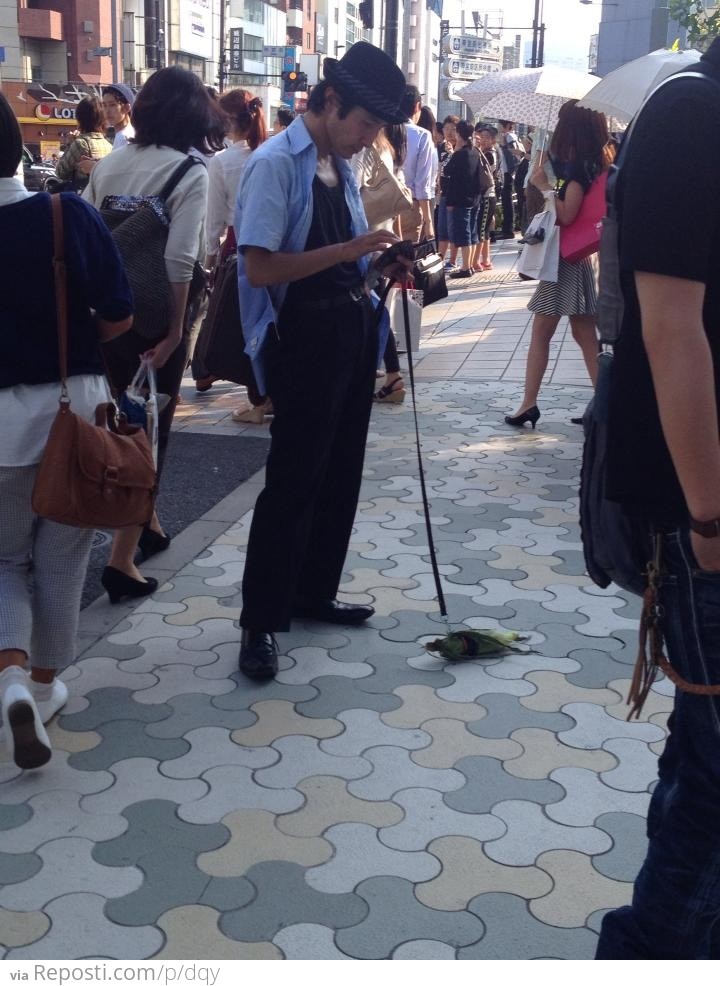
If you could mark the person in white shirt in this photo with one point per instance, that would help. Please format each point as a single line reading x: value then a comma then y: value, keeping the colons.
x: 117, y: 101
x: 419, y: 170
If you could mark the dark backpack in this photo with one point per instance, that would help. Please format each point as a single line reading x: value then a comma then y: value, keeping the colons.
x: 140, y: 226
x: 617, y: 543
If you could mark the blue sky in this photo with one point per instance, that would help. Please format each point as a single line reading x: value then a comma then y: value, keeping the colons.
x: 568, y: 24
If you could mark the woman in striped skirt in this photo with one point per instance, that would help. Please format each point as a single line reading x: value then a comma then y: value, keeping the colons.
x: 580, y: 150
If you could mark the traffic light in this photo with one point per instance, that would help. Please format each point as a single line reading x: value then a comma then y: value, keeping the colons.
x: 367, y: 13
x: 294, y: 81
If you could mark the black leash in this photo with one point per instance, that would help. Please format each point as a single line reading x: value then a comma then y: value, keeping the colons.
x: 423, y: 487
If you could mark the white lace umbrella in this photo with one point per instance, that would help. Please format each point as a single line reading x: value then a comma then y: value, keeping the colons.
x: 622, y: 92
x: 527, y: 95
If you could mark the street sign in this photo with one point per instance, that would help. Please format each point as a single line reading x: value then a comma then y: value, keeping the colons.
x: 468, y: 44
x: 464, y: 68
x: 273, y: 51
x: 236, y: 52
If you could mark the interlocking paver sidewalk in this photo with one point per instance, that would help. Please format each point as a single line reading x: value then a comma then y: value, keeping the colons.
x: 373, y: 801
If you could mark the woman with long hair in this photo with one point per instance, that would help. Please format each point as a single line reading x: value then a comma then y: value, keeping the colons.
x: 172, y: 114
x: 247, y: 130
x: 90, y: 143
x: 580, y: 150
x: 43, y: 564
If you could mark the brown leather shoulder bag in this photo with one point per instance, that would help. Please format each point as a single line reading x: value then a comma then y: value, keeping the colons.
x: 91, y: 475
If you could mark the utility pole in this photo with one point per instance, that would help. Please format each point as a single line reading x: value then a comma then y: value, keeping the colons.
x: 390, y: 41
x: 221, y: 56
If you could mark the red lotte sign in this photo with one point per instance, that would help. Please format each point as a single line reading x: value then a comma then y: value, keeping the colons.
x: 44, y: 111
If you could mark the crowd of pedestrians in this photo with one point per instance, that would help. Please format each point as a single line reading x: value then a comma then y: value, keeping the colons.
x: 294, y: 205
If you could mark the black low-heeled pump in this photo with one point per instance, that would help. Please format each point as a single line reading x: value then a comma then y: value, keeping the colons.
x: 151, y: 543
x: 118, y: 585
x: 532, y: 415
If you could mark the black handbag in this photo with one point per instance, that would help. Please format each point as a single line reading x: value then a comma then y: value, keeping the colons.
x: 429, y: 273
x: 220, y: 346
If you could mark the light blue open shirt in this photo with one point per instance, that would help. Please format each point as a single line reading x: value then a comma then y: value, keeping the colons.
x: 274, y: 211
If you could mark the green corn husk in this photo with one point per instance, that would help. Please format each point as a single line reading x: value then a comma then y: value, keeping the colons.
x: 466, y: 645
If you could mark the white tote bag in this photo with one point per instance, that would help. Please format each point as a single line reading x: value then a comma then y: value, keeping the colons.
x: 397, y: 320
x: 142, y: 393
x: 539, y: 259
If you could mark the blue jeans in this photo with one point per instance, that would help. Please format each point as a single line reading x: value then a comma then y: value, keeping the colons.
x: 462, y: 224
x: 442, y: 232
x: 675, y: 911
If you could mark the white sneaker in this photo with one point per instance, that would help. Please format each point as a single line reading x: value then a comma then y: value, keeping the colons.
x: 49, y: 698
x: 25, y: 735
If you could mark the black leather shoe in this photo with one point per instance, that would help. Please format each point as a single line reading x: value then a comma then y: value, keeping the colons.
x: 332, y: 611
x: 258, y: 655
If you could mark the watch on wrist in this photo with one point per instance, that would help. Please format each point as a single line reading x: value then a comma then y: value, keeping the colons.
x: 706, y: 528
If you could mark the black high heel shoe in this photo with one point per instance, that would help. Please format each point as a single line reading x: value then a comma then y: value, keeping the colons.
x: 532, y: 415
x: 151, y: 543
x: 118, y: 585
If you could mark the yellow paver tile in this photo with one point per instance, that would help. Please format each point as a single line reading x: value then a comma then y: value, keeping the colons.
x: 452, y: 741
x: 255, y: 839
x: 578, y: 890
x: 328, y: 802
x: 543, y: 752
x: 192, y: 933
x: 18, y: 928
x: 467, y: 872
x: 278, y: 718
x: 421, y: 703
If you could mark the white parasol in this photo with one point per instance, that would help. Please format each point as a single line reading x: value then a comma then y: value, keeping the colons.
x: 622, y: 92
x: 532, y: 96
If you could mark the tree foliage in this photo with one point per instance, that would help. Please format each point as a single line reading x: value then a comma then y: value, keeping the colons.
x: 703, y: 25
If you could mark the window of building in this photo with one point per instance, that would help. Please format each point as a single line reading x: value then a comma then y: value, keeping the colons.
x: 253, y: 46
x: 255, y: 11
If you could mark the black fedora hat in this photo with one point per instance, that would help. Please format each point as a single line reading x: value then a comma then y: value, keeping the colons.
x: 370, y: 78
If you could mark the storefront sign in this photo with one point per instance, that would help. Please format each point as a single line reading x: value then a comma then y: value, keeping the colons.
x: 196, y: 28
x: 44, y: 112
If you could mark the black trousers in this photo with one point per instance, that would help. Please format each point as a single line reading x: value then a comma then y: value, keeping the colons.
x: 320, y: 376
x: 507, y: 204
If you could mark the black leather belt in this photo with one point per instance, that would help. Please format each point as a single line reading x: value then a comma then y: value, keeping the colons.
x: 351, y: 296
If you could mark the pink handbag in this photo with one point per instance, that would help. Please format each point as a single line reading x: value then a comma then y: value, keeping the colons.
x: 582, y: 237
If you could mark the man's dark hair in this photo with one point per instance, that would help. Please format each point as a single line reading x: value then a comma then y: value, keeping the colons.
x: 451, y: 119
x: 11, y: 144
x: 410, y: 100
x: 318, y: 95
x: 90, y: 115
x: 285, y: 117
x: 505, y: 123
x: 173, y: 109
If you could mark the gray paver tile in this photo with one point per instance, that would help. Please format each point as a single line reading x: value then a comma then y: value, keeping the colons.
x: 395, y: 916
x: 283, y: 898
x: 512, y: 930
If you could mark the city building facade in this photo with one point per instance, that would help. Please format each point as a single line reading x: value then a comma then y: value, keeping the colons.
x: 631, y: 29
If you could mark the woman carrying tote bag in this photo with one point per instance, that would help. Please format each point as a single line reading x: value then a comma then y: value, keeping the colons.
x: 172, y: 114
x: 42, y: 563
x: 580, y: 150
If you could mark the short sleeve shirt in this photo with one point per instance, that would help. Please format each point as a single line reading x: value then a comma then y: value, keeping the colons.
x: 656, y: 238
